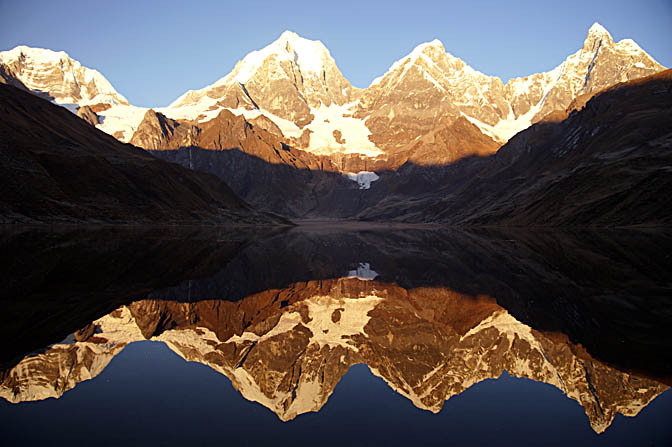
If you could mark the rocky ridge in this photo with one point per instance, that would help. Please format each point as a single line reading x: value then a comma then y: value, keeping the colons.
x: 602, y: 162
x: 294, y: 84
x: 430, y: 88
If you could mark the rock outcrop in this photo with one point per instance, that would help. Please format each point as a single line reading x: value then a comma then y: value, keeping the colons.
x: 156, y: 132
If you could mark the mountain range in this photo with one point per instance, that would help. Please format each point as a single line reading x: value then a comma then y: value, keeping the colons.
x: 296, y: 84
x: 290, y: 135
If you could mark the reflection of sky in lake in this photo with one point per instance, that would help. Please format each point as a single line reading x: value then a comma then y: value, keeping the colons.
x: 150, y: 395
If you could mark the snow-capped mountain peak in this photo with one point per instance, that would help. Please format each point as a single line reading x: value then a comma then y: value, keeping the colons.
x: 431, y: 52
x: 310, y: 56
x: 68, y: 83
x: 295, y: 83
x: 60, y: 76
x: 597, y: 36
x: 286, y: 79
x: 25, y: 52
x: 427, y: 48
x: 599, y: 30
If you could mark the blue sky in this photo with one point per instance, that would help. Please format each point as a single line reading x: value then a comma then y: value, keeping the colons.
x: 152, y: 52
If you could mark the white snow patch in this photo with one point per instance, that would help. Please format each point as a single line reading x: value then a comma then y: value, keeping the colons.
x: 121, y: 118
x: 354, y: 316
x: 363, y: 178
x: 433, y: 81
x: 287, y: 322
x: 193, y: 110
x: 505, y: 129
x: 322, y: 141
x: 353, y: 131
x: 363, y: 272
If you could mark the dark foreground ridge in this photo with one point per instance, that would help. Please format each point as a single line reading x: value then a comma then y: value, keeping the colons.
x: 56, y: 168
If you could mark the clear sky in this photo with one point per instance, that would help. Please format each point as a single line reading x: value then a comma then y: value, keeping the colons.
x: 152, y: 52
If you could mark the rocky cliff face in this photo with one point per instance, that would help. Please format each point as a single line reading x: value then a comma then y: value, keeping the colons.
x: 287, y: 349
x: 423, y: 89
x: 156, y: 132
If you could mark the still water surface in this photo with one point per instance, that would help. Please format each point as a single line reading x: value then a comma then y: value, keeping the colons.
x: 332, y: 336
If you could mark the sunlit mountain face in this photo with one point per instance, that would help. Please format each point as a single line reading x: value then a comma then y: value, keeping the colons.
x: 285, y: 317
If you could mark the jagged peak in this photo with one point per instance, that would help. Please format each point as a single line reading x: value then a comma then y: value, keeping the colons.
x: 40, y: 58
x: 596, y: 28
x: 596, y: 33
x: 421, y: 49
x: 417, y: 52
x: 631, y: 47
x: 436, y: 43
x: 310, y: 56
x: 42, y: 54
x: 291, y: 36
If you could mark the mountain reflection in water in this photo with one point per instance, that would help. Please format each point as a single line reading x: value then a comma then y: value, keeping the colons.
x: 432, y: 313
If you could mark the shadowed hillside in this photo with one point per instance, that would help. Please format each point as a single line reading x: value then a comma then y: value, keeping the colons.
x: 54, y: 167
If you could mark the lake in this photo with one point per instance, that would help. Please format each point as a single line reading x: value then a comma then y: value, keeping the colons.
x: 335, y: 334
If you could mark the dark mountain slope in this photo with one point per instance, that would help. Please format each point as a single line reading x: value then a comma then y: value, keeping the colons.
x: 608, y: 164
x: 258, y: 165
x: 54, y: 167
